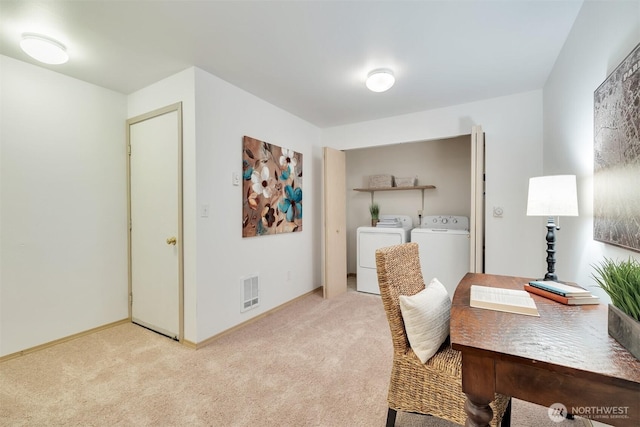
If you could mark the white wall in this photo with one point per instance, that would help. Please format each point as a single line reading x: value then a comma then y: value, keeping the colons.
x: 63, y: 206
x: 513, y: 128
x: 445, y: 163
x: 224, y: 114
x: 602, y: 36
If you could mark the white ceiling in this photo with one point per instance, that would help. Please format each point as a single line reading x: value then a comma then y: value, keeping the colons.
x: 308, y: 57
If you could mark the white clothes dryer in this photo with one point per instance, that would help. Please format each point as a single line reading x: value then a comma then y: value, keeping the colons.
x: 443, y: 243
x: 389, y: 232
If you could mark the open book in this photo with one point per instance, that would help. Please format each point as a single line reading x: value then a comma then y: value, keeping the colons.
x: 508, y: 300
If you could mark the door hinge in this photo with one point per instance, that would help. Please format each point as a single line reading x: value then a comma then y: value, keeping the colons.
x: 129, y: 149
x: 130, y: 224
x: 130, y: 299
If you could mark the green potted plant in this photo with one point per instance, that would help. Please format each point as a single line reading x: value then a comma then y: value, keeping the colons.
x: 621, y: 281
x: 374, y: 210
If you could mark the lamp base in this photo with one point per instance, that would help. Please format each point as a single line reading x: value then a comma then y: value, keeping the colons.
x: 551, y: 251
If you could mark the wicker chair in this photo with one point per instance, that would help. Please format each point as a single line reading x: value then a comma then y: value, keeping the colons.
x: 433, y: 388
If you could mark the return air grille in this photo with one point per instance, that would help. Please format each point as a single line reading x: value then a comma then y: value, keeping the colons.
x: 250, y: 292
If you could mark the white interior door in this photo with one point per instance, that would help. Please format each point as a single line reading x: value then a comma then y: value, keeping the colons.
x: 155, y: 202
x: 335, y: 222
x: 476, y: 222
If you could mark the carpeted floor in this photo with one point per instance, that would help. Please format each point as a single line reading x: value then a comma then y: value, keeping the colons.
x: 314, y: 363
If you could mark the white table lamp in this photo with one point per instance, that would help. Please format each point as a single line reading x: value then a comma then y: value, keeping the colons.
x: 552, y: 196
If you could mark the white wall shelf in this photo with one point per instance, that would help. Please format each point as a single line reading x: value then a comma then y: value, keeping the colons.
x: 415, y: 187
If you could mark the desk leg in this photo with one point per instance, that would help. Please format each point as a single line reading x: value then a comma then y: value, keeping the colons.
x: 479, y: 413
x: 478, y: 383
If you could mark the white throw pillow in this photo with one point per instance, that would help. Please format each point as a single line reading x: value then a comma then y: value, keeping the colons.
x: 426, y: 319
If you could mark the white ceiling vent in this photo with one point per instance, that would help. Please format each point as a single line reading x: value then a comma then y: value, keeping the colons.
x: 250, y: 292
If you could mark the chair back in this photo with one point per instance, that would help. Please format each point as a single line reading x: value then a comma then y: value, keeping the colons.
x: 399, y: 273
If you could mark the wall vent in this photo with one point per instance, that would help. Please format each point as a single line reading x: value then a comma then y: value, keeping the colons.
x: 250, y: 292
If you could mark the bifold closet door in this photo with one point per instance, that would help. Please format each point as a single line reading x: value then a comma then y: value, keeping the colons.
x: 335, y: 222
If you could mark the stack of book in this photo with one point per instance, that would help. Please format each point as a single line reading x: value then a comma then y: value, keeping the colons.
x: 560, y: 292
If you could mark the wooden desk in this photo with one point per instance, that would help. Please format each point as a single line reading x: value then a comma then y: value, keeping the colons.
x: 564, y: 356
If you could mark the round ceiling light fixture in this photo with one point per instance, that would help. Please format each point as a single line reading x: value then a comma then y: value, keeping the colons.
x: 380, y: 80
x: 44, y: 49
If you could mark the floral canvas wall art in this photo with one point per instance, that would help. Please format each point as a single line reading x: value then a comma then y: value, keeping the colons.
x: 272, y: 189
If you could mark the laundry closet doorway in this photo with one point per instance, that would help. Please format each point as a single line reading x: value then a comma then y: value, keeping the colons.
x: 454, y: 165
x: 154, y: 167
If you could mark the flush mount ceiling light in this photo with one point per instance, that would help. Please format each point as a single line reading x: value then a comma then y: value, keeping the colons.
x: 44, y: 49
x: 380, y: 80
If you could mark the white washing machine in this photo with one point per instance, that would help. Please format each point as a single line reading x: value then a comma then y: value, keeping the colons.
x: 443, y: 243
x: 389, y: 232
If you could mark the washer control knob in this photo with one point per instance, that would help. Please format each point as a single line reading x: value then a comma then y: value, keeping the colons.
x: 445, y: 220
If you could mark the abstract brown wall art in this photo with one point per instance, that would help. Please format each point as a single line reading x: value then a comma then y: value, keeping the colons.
x: 272, y: 189
x: 616, y: 188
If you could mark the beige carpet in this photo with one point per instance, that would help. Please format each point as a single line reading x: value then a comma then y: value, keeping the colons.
x: 314, y: 363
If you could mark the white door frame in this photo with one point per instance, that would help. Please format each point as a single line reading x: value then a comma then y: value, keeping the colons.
x: 177, y: 107
x: 476, y: 223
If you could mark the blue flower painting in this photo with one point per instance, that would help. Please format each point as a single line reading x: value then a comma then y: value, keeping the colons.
x: 272, y: 189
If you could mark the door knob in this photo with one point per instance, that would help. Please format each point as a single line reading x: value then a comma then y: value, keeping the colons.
x: 171, y: 241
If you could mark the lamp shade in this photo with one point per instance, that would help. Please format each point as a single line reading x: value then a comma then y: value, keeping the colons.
x: 553, y: 195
